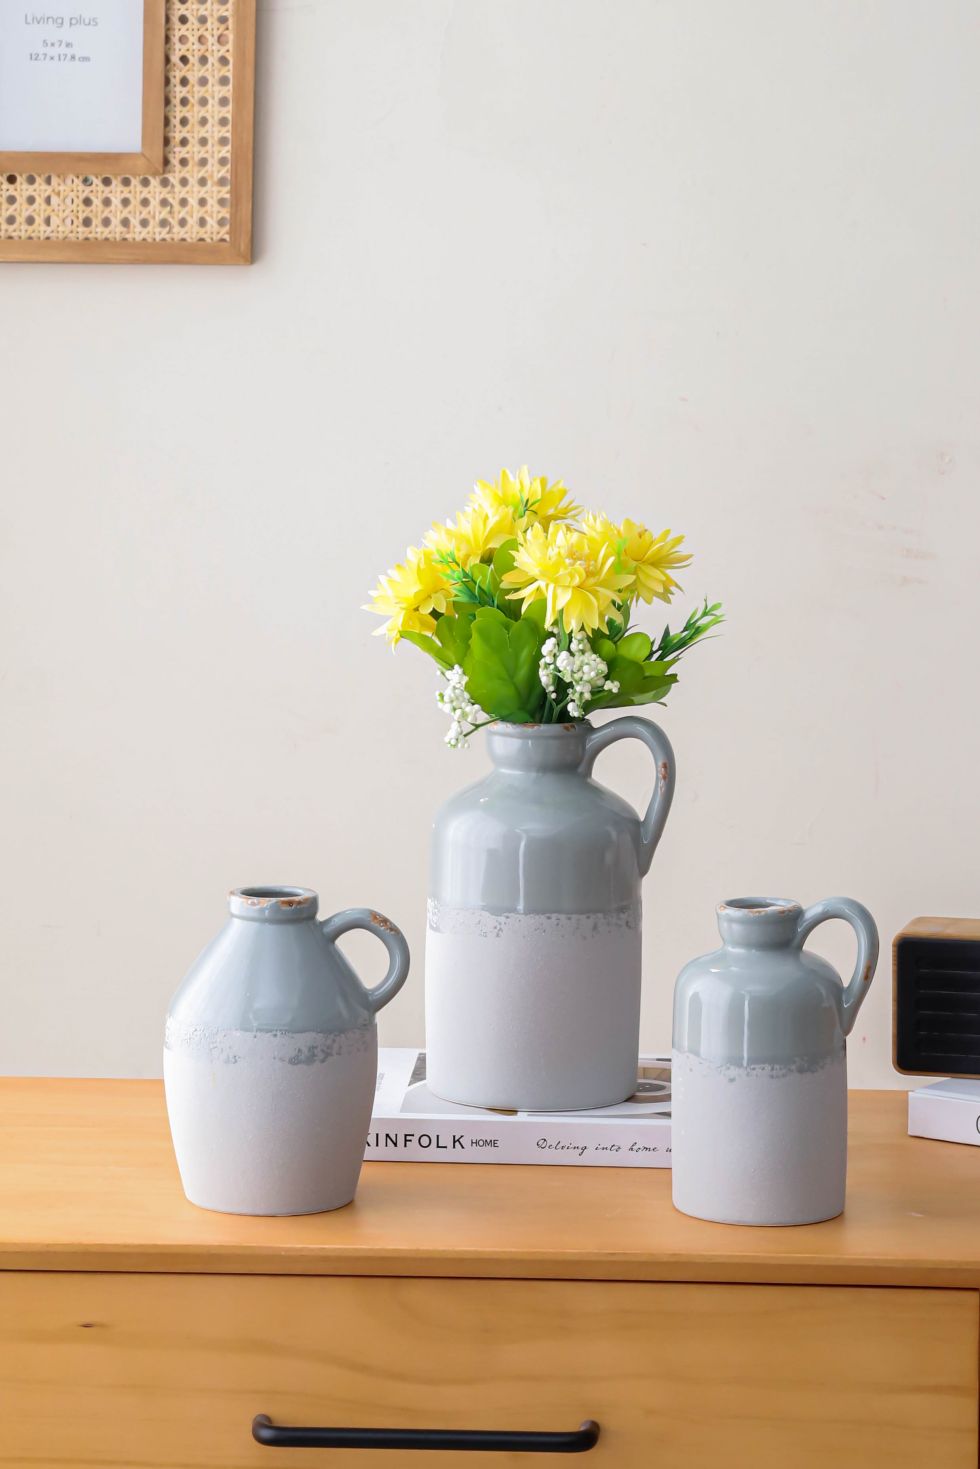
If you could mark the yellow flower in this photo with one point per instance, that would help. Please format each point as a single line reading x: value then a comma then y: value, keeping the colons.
x: 476, y: 532
x: 651, y: 559
x: 529, y: 500
x: 410, y: 593
x: 559, y: 565
x: 602, y: 536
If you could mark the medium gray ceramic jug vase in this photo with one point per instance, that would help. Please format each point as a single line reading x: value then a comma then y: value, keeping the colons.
x: 271, y: 1057
x: 532, y: 973
x: 759, y: 1107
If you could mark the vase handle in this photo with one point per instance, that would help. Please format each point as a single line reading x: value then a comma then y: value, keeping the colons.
x: 631, y: 727
x: 392, y: 938
x: 864, y: 926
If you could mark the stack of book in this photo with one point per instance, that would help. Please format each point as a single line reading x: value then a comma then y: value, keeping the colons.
x: 412, y: 1125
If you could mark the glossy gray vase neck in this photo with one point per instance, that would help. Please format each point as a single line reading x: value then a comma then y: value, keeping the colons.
x: 273, y: 904
x: 520, y: 749
x: 275, y: 966
x: 759, y: 923
x: 539, y: 835
x: 762, y: 998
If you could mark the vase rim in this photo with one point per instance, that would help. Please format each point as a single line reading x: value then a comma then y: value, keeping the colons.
x: 760, y: 908
x: 551, y: 731
x: 273, y: 903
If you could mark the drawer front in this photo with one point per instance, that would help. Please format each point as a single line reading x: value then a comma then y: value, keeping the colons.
x: 167, y: 1372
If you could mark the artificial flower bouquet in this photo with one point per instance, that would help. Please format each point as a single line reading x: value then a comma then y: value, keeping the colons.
x: 525, y: 603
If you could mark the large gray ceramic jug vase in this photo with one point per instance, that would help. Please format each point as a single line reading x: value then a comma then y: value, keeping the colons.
x: 532, y: 973
x: 271, y: 1056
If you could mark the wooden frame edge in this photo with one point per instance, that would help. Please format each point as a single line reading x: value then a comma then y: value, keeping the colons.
x: 242, y: 132
x: 154, y: 84
x: 79, y: 165
x: 149, y: 160
x: 120, y: 252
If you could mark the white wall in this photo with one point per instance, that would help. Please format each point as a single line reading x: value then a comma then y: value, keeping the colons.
x: 716, y: 264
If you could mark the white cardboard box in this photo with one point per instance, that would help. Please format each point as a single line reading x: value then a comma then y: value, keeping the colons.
x: 946, y: 1110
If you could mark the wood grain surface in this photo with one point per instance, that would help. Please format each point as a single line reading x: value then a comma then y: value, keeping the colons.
x: 147, y: 1372
x: 88, y: 1182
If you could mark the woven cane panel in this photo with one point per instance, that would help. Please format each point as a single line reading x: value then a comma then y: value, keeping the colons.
x: 191, y: 201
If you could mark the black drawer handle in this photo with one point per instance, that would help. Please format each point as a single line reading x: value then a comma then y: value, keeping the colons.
x: 264, y: 1431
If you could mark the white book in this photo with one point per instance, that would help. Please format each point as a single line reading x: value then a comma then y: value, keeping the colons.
x: 412, y: 1125
x: 946, y: 1110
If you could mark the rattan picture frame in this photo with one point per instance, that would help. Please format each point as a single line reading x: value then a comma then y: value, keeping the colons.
x: 150, y: 159
x: 198, y: 209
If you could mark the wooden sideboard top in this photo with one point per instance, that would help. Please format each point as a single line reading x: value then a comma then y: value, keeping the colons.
x: 88, y: 1182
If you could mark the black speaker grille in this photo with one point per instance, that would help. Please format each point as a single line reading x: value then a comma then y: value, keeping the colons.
x: 937, y: 1006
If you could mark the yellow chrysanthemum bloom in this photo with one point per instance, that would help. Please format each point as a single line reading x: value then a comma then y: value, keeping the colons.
x: 530, y: 500
x: 558, y: 565
x: 602, y: 536
x: 410, y: 593
x: 651, y: 559
x: 475, y: 533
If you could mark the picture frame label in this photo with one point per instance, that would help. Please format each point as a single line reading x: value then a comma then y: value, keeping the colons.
x: 71, y: 76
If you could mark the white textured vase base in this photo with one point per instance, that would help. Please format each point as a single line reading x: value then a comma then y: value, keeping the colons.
x: 269, y: 1123
x: 759, y: 1144
x: 532, y: 1011
x: 255, y: 1213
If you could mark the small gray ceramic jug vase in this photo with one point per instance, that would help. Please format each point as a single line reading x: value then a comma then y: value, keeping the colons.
x: 532, y: 971
x: 271, y: 1057
x: 760, y: 1068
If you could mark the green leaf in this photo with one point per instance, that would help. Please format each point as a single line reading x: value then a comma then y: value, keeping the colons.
x: 698, y: 625
x: 525, y: 648
x: 466, y: 594
x: 503, y: 561
x: 605, y: 648
x: 486, y: 579
x: 491, y: 688
x: 489, y: 639
x: 453, y: 633
x: 501, y: 666
x: 655, y: 693
x: 503, y: 557
x: 535, y: 612
x: 477, y: 585
x: 635, y: 645
x: 492, y: 614
x: 614, y: 628
x: 628, y: 673
x: 429, y: 645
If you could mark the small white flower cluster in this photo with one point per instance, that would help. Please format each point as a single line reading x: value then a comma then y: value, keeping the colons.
x: 584, y: 671
x: 456, y: 702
